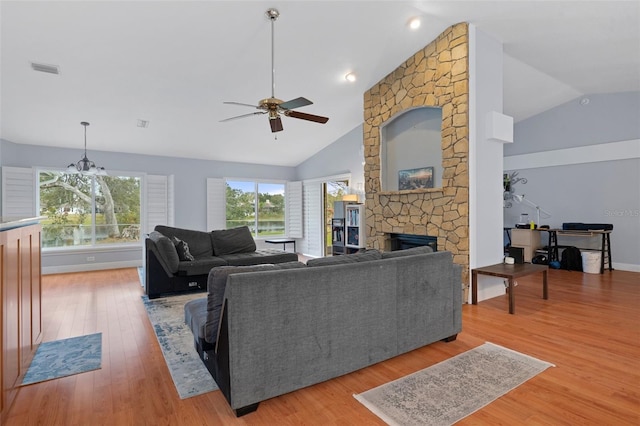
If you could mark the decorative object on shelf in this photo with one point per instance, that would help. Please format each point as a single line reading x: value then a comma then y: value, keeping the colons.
x: 415, y: 178
x: 509, y: 182
x: 520, y: 199
x: 86, y: 166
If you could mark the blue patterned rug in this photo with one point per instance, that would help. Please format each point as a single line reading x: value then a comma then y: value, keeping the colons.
x: 189, y: 374
x: 66, y: 357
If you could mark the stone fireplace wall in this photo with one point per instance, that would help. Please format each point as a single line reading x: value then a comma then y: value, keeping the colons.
x: 436, y: 76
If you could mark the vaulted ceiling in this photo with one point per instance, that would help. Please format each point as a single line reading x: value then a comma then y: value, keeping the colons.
x: 174, y: 63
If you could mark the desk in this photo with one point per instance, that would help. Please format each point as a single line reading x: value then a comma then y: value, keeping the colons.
x: 510, y: 272
x: 605, y: 246
x: 283, y: 241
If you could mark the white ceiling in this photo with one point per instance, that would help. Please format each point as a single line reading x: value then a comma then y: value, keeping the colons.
x: 174, y: 63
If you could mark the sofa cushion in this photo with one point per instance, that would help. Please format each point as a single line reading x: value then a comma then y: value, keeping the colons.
x: 365, y: 256
x: 199, y: 241
x: 200, y: 266
x: 234, y: 240
x: 166, y: 249
x: 259, y: 257
x: 216, y: 285
x: 407, y: 252
x: 195, y: 315
x: 183, y: 249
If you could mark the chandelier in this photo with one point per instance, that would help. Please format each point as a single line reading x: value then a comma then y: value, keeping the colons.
x: 86, y: 166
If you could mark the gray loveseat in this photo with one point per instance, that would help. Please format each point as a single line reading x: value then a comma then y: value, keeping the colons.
x: 266, y: 330
x: 179, y: 260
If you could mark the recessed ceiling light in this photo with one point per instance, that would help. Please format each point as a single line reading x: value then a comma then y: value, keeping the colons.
x: 350, y: 77
x: 414, y: 23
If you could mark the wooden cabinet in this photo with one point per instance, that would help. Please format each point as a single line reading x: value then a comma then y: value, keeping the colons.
x: 20, y: 283
x: 527, y: 239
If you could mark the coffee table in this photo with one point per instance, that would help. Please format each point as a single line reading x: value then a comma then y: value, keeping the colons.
x: 510, y: 272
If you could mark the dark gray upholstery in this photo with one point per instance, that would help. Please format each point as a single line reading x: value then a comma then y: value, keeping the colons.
x: 283, y: 330
x: 366, y: 256
x: 258, y: 257
x: 234, y: 240
x: 166, y: 250
x: 171, y: 270
x: 215, y: 285
x: 195, y: 313
x: 199, y: 241
x: 407, y: 252
x: 199, y: 266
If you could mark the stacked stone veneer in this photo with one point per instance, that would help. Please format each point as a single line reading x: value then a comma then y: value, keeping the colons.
x: 436, y: 76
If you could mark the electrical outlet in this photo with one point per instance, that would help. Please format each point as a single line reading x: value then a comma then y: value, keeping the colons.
x: 91, y: 258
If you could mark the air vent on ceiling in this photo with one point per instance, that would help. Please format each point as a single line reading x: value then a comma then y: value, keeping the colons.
x: 51, y: 69
x: 143, y: 123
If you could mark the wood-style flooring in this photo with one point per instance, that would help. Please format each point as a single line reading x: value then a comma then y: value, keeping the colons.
x: 589, y: 328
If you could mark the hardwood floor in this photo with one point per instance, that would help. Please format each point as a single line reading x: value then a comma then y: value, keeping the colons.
x: 589, y: 328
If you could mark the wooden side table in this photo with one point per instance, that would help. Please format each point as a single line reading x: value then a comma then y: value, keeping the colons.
x: 510, y: 272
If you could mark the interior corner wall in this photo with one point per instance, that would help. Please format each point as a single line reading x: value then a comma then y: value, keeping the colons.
x: 485, y: 160
x: 345, y: 155
x: 582, y: 164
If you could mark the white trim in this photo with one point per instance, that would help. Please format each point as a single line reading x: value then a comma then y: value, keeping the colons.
x: 324, y: 179
x: 625, y: 267
x: 611, y: 151
x: 47, y: 270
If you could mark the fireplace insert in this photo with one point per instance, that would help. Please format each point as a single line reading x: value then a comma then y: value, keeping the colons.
x: 407, y: 241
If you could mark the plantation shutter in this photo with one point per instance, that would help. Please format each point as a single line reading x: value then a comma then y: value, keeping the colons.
x: 160, y: 203
x: 293, y: 210
x: 18, y: 192
x: 216, y: 204
x: 312, y: 201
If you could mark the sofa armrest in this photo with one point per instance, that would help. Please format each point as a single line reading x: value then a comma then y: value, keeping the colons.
x: 165, y: 251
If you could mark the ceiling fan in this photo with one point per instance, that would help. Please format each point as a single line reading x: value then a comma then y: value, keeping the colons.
x: 274, y: 106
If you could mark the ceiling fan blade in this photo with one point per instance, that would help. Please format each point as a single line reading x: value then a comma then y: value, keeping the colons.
x: 241, y: 104
x: 305, y: 116
x: 276, y: 124
x: 243, y: 115
x: 295, y: 103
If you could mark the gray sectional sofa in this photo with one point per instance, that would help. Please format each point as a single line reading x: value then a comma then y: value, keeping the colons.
x: 266, y: 330
x: 179, y: 260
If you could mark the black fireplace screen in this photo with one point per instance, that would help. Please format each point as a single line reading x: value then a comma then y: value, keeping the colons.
x: 407, y: 241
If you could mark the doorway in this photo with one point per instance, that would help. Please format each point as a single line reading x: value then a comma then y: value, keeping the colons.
x: 332, y: 191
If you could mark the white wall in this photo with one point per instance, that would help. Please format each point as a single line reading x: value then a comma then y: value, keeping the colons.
x: 485, y: 160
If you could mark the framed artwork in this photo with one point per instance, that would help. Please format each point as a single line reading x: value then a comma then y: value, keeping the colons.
x: 415, y: 178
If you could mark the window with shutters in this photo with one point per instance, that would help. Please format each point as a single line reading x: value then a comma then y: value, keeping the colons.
x: 258, y: 205
x: 84, y: 210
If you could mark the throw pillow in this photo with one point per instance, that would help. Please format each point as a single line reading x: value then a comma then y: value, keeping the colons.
x: 183, y: 249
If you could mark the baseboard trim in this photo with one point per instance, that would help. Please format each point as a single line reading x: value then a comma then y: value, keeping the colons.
x: 90, y: 267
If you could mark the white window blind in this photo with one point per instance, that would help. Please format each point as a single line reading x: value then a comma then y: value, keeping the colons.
x: 293, y: 210
x: 313, y: 227
x: 159, y: 205
x: 18, y: 192
x: 216, y: 204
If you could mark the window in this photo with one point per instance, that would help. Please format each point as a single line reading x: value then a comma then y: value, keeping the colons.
x: 258, y: 205
x: 86, y: 210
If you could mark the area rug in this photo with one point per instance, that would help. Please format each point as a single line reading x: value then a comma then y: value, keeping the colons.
x: 452, y: 389
x: 61, y: 358
x: 189, y: 374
